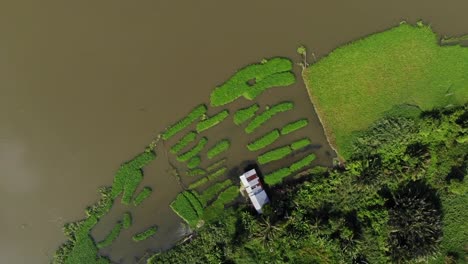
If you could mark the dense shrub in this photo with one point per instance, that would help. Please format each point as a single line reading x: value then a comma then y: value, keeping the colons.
x: 293, y: 126
x: 267, y: 114
x: 196, y: 113
x: 145, y: 193
x: 183, y: 142
x: 264, y: 140
x: 194, y: 162
x: 273, y: 155
x: 245, y: 114
x: 145, y: 234
x: 212, y: 121
x: 194, y: 151
x: 111, y: 237
x: 219, y: 148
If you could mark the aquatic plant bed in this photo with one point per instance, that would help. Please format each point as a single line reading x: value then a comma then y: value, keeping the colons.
x: 145, y: 193
x: 219, y: 148
x: 217, y: 207
x: 264, y: 140
x: 196, y: 113
x: 218, y: 173
x: 281, y: 152
x: 272, y: 73
x: 301, y: 143
x: 244, y: 114
x: 211, y: 192
x: 198, y: 183
x: 188, y: 206
x: 194, y: 162
x: 267, y: 115
x: 196, y: 172
x: 293, y: 126
x: 216, y: 165
x: 403, y: 65
x: 183, y: 142
x: 212, y: 121
x: 127, y: 220
x: 111, y: 237
x: 194, y: 151
x: 145, y: 234
x: 278, y: 175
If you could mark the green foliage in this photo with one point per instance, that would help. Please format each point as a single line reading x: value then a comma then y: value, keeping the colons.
x: 111, y: 237
x: 145, y: 193
x: 402, y: 65
x: 196, y: 113
x: 212, y: 121
x: 216, y: 164
x: 129, y: 176
x: 306, y: 161
x: 300, y: 144
x: 187, y: 206
x: 301, y: 50
x: 218, y: 173
x: 264, y: 141
x: 194, y: 201
x: 210, y: 193
x: 216, y: 208
x: 277, y: 176
x: 273, y: 155
x: 183, y: 142
x: 196, y: 172
x: 219, y: 148
x: 198, y: 183
x: 127, y: 220
x: 275, y: 72
x: 245, y: 114
x: 296, y: 125
x: 267, y: 114
x: 145, y: 234
x: 194, y: 162
x: 194, y: 151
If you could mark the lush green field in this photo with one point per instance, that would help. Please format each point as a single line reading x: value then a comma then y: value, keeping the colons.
x: 198, y: 183
x: 145, y: 193
x: 271, y: 73
x: 194, y: 151
x: 293, y: 126
x: 211, y: 192
x: 183, y: 142
x: 306, y: 161
x: 196, y: 172
x: 245, y: 114
x: 194, y: 162
x: 111, y: 237
x: 195, y: 114
x: 188, y: 206
x: 277, y: 176
x: 217, y: 207
x: 301, y: 143
x: 212, y: 121
x: 219, y: 148
x: 145, y: 234
x: 359, y: 82
x: 127, y: 220
x: 267, y: 115
x: 264, y: 141
x: 274, y: 154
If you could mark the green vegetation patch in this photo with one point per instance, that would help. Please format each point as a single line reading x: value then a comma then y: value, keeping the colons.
x: 301, y: 143
x: 194, y: 151
x: 129, y: 176
x: 358, y: 83
x: 111, y: 237
x: 145, y: 234
x: 220, y: 172
x: 267, y: 114
x: 245, y: 114
x: 196, y: 172
x: 293, y: 126
x: 216, y: 164
x: 127, y: 220
x: 219, y: 148
x: 187, y: 206
x: 273, y: 155
x: 183, y: 142
x: 212, y: 121
x: 277, y: 176
x: 198, y: 183
x: 196, y: 113
x: 306, y: 161
x: 211, y: 192
x: 194, y: 162
x: 264, y: 140
x: 217, y: 207
x: 145, y: 193
x: 272, y: 73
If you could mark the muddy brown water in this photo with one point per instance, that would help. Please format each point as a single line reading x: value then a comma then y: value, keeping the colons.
x: 85, y: 85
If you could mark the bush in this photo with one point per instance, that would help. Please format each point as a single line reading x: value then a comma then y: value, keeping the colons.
x: 216, y: 165
x: 217, y: 207
x: 220, y: 172
x: 145, y: 193
x: 264, y: 140
x: 306, y: 161
x: 183, y: 142
x: 183, y: 207
x: 245, y: 114
x: 198, y: 183
x: 273, y: 155
x: 145, y: 234
x: 127, y: 220
x: 277, y: 176
x: 194, y: 151
x: 111, y: 237
x: 296, y: 125
x: 275, y: 72
x: 196, y: 113
x: 300, y: 144
x: 213, y: 190
x: 196, y: 172
x: 267, y: 114
x: 194, y: 162
x: 212, y: 121
x: 219, y: 148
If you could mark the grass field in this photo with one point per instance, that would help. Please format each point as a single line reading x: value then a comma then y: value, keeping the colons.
x: 267, y: 115
x: 293, y: 126
x: 264, y: 141
x: 145, y: 234
x: 219, y: 148
x: 194, y: 115
x: 145, y: 193
x: 194, y: 151
x: 278, y: 175
x: 358, y: 83
x: 183, y: 142
x: 217, y: 207
x: 188, y: 206
x: 212, y: 121
x: 213, y: 190
x: 244, y: 114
